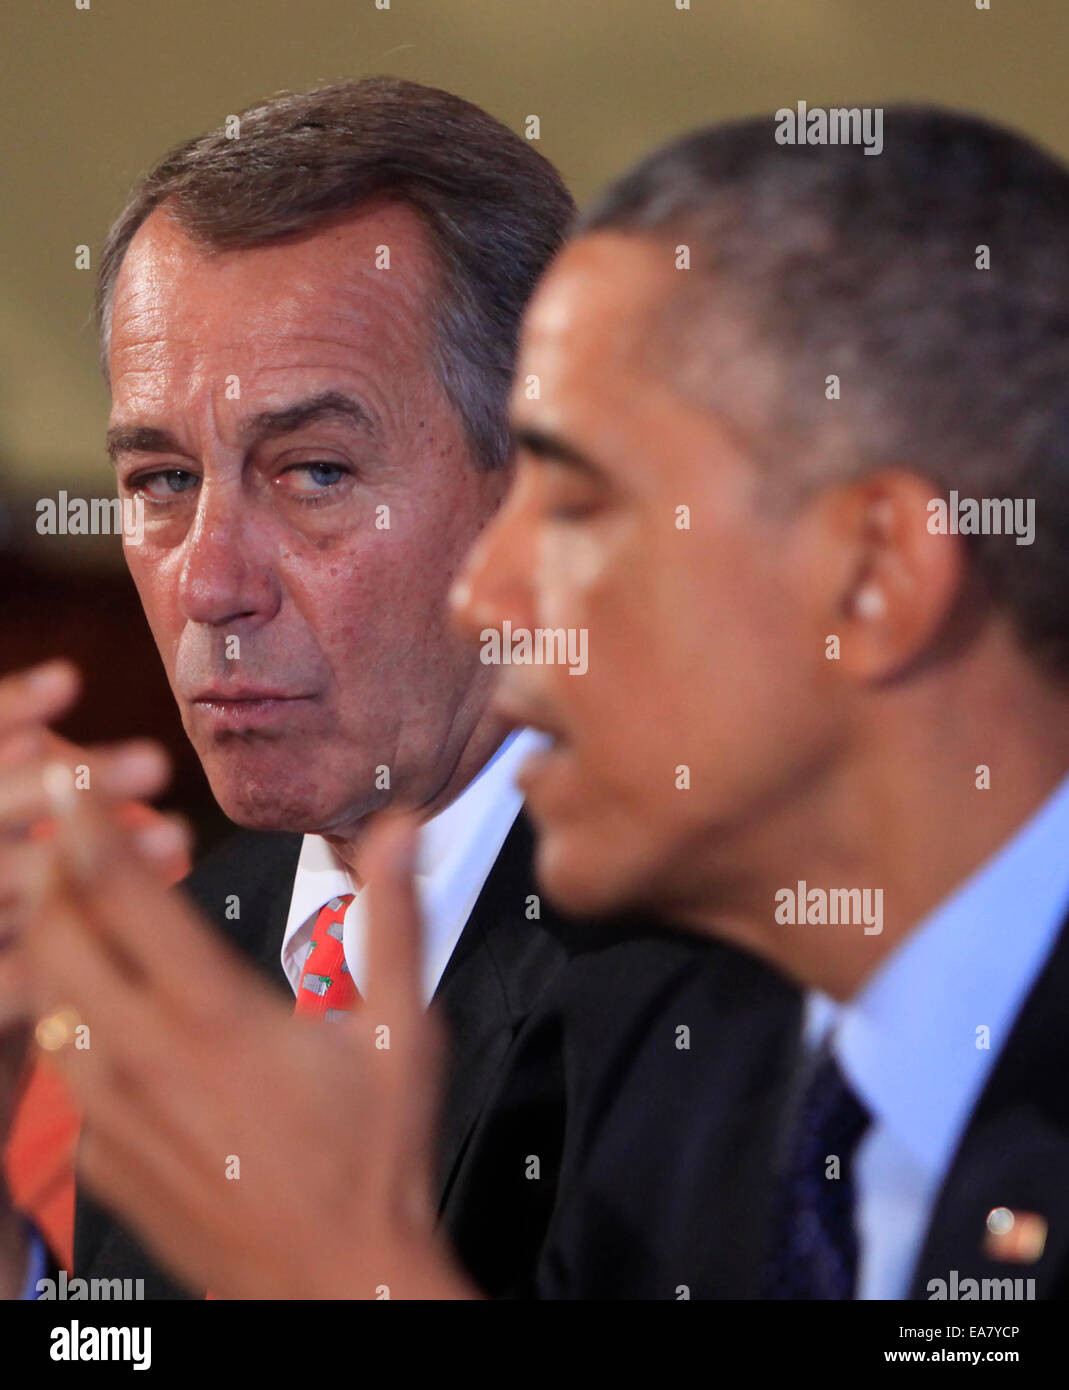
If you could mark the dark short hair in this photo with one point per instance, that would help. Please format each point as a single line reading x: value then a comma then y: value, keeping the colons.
x: 822, y: 260
x: 495, y: 209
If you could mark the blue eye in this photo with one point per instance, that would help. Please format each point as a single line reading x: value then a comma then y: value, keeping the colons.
x: 309, y: 480
x: 325, y: 473
x: 163, y: 483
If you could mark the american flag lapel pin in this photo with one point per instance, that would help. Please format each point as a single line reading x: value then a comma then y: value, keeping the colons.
x: 1016, y: 1237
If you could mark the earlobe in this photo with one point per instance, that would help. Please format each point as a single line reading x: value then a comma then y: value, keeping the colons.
x: 870, y: 602
x: 905, y: 579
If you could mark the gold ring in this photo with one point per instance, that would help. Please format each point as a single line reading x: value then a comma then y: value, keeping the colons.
x: 58, y: 1028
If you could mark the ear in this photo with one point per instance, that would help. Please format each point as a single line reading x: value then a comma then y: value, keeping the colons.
x: 895, y: 584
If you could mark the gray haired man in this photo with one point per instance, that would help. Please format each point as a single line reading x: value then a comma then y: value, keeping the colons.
x: 308, y: 320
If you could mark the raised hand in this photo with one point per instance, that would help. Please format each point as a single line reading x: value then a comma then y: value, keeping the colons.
x: 259, y: 1155
x: 32, y: 760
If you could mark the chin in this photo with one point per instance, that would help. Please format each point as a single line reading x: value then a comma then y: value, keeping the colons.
x: 257, y: 802
x: 585, y: 879
x: 266, y: 813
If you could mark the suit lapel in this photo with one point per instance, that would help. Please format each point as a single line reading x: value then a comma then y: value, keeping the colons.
x: 499, y: 969
x: 250, y: 876
x: 502, y: 962
x: 1014, y: 1154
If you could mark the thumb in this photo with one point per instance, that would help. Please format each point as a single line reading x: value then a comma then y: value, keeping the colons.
x: 395, y: 930
x: 395, y: 996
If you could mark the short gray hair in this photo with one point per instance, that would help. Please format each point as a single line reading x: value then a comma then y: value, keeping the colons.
x: 819, y: 260
x: 495, y: 209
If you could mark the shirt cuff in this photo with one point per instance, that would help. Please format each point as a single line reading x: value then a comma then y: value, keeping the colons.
x: 36, y: 1264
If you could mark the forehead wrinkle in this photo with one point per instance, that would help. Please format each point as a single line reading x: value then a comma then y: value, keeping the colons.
x: 163, y: 258
x: 287, y: 419
x: 347, y: 327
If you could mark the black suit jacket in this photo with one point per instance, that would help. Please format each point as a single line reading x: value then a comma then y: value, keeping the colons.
x: 669, y: 1189
x: 521, y: 1065
x: 1015, y: 1150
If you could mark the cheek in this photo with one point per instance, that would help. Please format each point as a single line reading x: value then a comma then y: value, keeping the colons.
x: 570, y: 573
x: 155, y: 578
x: 590, y: 574
x: 683, y: 668
x: 377, y: 613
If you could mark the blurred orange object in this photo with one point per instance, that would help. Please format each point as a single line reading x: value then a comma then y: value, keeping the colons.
x: 38, y: 1158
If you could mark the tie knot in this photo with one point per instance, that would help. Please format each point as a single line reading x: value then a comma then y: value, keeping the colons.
x: 336, y: 907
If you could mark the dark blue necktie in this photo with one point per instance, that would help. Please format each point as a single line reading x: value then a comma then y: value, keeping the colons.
x: 813, y: 1248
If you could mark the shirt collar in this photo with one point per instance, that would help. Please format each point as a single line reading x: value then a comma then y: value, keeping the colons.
x: 445, y: 836
x: 911, y: 1041
x: 457, y: 848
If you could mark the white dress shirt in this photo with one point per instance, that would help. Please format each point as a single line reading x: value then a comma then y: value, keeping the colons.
x: 457, y: 850
x: 908, y: 1041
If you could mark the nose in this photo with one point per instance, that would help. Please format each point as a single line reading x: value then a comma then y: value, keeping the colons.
x: 496, y: 581
x: 227, y: 572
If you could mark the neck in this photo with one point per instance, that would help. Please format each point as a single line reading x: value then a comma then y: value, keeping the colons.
x: 906, y: 812
x: 480, y: 746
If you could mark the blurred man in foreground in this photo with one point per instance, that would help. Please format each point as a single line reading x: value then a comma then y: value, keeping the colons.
x: 820, y: 720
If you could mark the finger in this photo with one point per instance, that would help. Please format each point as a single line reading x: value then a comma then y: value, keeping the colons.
x: 23, y: 878
x: 25, y: 795
x: 24, y: 746
x: 27, y: 873
x: 153, y: 932
x: 135, y: 769
x: 405, y: 1075
x: 123, y: 1045
x: 16, y: 1006
x: 37, y: 696
x: 394, y: 943
x: 15, y: 1055
x: 69, y: 970
x: 164, y: 841
x: 24, y: 875
x: 197, y: 1224
x: 182, y: 1087
x: 151, y: 1189
x: 31, y: 792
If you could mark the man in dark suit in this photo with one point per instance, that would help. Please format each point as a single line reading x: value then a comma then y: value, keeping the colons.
x: 797, y: 463
x: 518, y: 1063
x: 851, y: 373
x: 309, y: 376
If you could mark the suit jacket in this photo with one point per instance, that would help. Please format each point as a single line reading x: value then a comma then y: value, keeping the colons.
x: 520, y: 1068
x: 1014, y: 1152
x: 668, y: 1192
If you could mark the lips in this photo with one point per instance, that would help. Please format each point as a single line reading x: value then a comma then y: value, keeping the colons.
x: 519, y: 713
x: 236, y: 695
x: 244, y: 709
x: 545, y: 773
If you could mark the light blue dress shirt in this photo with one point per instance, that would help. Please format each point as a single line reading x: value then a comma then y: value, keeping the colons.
x: 911, y: 1042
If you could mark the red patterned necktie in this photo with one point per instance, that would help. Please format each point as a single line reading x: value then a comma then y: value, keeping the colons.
x: 326, y: 987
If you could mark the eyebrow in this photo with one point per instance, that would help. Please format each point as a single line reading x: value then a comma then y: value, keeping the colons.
x: 267, y: 424
x: 328, y: 405
x: 140, y: 439
x: 553, y: 449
